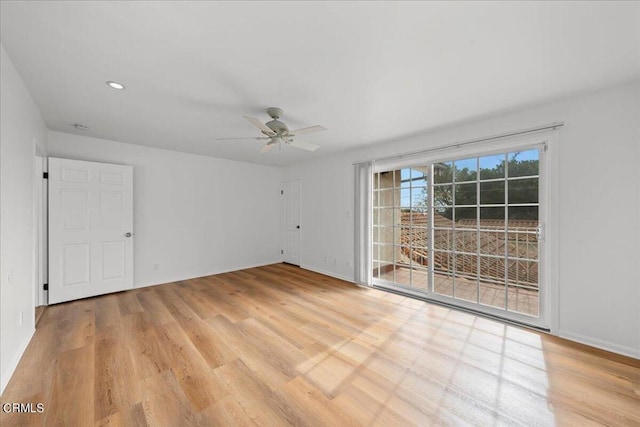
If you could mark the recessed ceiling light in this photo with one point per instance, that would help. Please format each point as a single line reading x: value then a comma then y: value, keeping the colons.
x: 115, y: 85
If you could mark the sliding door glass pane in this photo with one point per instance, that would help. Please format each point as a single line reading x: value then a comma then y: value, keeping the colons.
x: 466, y: 277
x: 443, y: 273
x: 442, y: 196
x: 492, y: 167
x: 523, y: 163
x: 442, y: 172
x: 492, y: 193
x: 466, y: 194
x: 492, y: 281
x: 523, y: 191
x: 466, y: 170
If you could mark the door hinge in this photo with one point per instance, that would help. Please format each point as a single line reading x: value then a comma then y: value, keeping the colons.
x: 45, y: 287
x: 281, y: 192
x: 45, y: 175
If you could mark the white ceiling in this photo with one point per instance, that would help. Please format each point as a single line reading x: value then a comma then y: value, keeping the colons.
x: 369, y: 72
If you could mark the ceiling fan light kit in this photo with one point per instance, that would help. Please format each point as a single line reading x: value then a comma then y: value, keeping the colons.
x: 278, y: 132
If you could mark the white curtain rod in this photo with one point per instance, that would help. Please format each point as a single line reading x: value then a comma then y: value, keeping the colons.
x: 553, y: 125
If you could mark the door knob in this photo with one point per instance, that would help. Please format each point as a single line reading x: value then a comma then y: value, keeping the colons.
x: 297, y: 226
x: 128, y: 234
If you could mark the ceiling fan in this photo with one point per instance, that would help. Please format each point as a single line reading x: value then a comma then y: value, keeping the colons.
x: 276, y: 132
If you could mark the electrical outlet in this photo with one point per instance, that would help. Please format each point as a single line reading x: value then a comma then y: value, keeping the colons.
x: 335, y: 261
x: 326, y: 259
x: 348, y: 263
x: 156, y: 267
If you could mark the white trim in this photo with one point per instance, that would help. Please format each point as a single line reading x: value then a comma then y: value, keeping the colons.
x: 40, y: 230
x: 601, y: 344
x: 201, y: 276
x: 334, y: 275
x: 6, y: 376
x: 551, y: 202
x: 45, y: 231
x: 37, y: 230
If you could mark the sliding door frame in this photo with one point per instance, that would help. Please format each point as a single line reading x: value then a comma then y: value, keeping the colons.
x: 546, y: 142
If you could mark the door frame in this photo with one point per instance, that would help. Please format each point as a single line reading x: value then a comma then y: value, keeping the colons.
x: 282, y: 220
x: 40, y: 225
x: 549, y: 215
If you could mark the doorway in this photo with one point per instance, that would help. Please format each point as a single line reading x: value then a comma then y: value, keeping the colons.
x: 466, y: 231
x: 290, y: 209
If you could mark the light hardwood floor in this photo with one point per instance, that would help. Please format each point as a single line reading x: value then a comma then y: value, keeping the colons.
x: 278, y: 345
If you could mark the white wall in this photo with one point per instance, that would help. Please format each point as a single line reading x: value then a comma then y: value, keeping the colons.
x: 599, y: 208
x: 193, y: 215
x: 21, y: 129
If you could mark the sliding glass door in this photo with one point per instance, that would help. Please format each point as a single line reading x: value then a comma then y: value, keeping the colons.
x: 463, y: 230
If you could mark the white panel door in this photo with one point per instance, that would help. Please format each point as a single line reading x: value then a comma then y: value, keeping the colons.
x: 291, y: 222
x: 90, y: 229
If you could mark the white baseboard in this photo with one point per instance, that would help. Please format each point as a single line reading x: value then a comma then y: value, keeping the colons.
x: 326, y: 273
x: 182, y: 278
x: 601, y: 344
x: 6, y: 376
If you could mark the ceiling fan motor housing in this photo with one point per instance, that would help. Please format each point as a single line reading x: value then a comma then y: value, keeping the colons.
x: 277, y: 126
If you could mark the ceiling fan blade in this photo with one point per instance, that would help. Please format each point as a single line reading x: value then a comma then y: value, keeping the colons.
x: 267, y: 147
x: 311, y: 129
x: 263, y: 128
x: 245, y: 138
x: 304, y: 145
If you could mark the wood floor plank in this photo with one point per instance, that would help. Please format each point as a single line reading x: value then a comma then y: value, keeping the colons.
x: 188, y: 367
x: 164, y: 403
x: 113, y: 372
x: 227, y: 412
x: 128, y: 303
x: 279, y: 345
x: 72, y: 398
x: 202, y: 335
x: 154, y: 308
x: 259, y: 401
x: 368, y: 411
x: 148, y: 356
x: 317, y: 409
x: 199, y: 304
x: 250, y: 352
x: 131, y: 416
x: 107, y: 311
